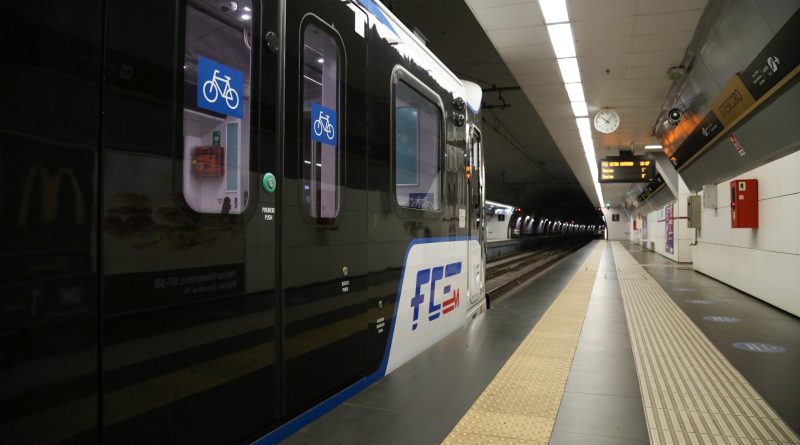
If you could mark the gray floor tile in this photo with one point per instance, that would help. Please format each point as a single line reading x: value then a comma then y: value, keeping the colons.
x: 567, y: 438
x: 619, y: 381
x: 603, y: 415
x: 363, y: 425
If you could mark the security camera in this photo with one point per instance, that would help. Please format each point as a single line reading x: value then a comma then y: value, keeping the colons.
x: 227, y: 6
x: 674, y: 116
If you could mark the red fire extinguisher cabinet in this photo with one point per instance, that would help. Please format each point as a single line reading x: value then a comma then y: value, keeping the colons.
x: 744, y: 203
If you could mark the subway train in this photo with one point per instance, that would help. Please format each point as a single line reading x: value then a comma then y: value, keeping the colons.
x: 222, y: 218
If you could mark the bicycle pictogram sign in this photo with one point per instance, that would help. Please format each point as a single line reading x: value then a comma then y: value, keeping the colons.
x: 219, y: 87
x: 323, y: 124
x: 212, y: 90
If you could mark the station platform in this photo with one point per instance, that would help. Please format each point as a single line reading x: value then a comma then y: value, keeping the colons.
x: 612, y: 345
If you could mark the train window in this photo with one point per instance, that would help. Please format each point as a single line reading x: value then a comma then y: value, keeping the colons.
x: 216, y: 113
x: 322, y: 121
x: 417, y: 138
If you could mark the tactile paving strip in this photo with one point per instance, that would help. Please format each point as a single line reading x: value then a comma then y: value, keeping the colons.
x: 690, y: 391
x: 520, y: 404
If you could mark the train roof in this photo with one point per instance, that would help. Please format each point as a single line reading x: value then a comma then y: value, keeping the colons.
x: 405, y: 41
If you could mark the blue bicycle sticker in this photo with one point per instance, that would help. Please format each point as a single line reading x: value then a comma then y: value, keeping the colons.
x: 323, y: 124
x: 220, y: 88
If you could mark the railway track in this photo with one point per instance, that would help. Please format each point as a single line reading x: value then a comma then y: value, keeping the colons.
x: 507, y: 273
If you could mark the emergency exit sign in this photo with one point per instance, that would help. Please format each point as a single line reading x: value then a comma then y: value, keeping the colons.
x: 625, y: 169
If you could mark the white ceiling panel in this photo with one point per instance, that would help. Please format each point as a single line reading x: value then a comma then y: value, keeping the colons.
x: 580, y: 10
x: 536, y: 90
x: 616, y: 61
x: 656, y: 58
x: 646, y: 72
x: 661, y: 6
x: 639, y: 103
x: 602, y: 74
x: 534, y: 67
x: 604, y: 46
x: 513, y: 16
x: 528, y: 53
x: 559, y: 111
x: 667, y: 23
x: 530, y: 35
x: 552, y: 78
x: 557, y: 95
x: 659, y: 42
x: 604, y: 28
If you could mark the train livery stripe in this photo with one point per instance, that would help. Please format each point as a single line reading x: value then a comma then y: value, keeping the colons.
x: 332, y: 402
x: 376, y: 11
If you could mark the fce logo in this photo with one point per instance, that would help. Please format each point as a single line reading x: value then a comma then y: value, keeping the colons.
x: 219, y: 87
x: 433, y: 276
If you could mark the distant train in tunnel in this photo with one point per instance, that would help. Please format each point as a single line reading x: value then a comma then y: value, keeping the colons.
x: 504, y: 221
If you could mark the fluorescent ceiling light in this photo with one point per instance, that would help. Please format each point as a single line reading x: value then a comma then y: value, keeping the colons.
x: 653, y: 147
x: 583, y: 125
x: 497, y: 204
x: 575, y: 92
x: 579, y: 108
x: 561, y: 38
x: 554, y: 11
x: 570, y: 73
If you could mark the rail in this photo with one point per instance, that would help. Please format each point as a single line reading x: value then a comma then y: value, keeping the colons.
x: 507, y: 272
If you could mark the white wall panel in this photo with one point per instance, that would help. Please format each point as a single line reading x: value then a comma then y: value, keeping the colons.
x: 764, y: 262
x: 619, y: 230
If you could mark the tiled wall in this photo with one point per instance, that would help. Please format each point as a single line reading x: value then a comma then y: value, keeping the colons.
x: 764, y: 262
x: 617, y: 231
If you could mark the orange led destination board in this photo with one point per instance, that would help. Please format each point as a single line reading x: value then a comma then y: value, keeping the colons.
x: 625, y: 169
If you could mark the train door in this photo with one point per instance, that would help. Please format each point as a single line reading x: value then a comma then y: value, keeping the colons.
x: 189, y: 344
x: 478, y: 211
x: 323, y: 210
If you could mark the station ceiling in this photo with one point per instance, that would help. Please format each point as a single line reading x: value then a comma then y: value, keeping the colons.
x: 534, y: 155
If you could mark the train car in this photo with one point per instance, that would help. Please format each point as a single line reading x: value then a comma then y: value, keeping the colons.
x: 222, y: 218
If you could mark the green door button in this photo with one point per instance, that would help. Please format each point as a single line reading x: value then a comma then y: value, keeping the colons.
x: 269, y: 183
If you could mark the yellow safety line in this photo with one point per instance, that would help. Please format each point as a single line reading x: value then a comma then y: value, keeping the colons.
x: 690, y: 391
x: 521, y: 403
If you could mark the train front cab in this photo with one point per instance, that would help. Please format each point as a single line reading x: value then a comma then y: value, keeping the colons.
x: 212, y: 239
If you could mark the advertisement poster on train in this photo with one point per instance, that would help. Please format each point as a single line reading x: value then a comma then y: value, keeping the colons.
x: 670, y: 225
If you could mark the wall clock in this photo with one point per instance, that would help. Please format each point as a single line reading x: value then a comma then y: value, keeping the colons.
x: 606, y: 121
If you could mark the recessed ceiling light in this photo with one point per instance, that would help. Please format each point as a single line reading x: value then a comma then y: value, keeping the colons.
x: 575, y: 92
x: 320, y: 60
x: 584, y: 127
x: 247, y: 8
x: 561, y: 38
x: 245, y: 16
x: 579, y: 108
x: 554, y: 11
x: 570, y: 73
